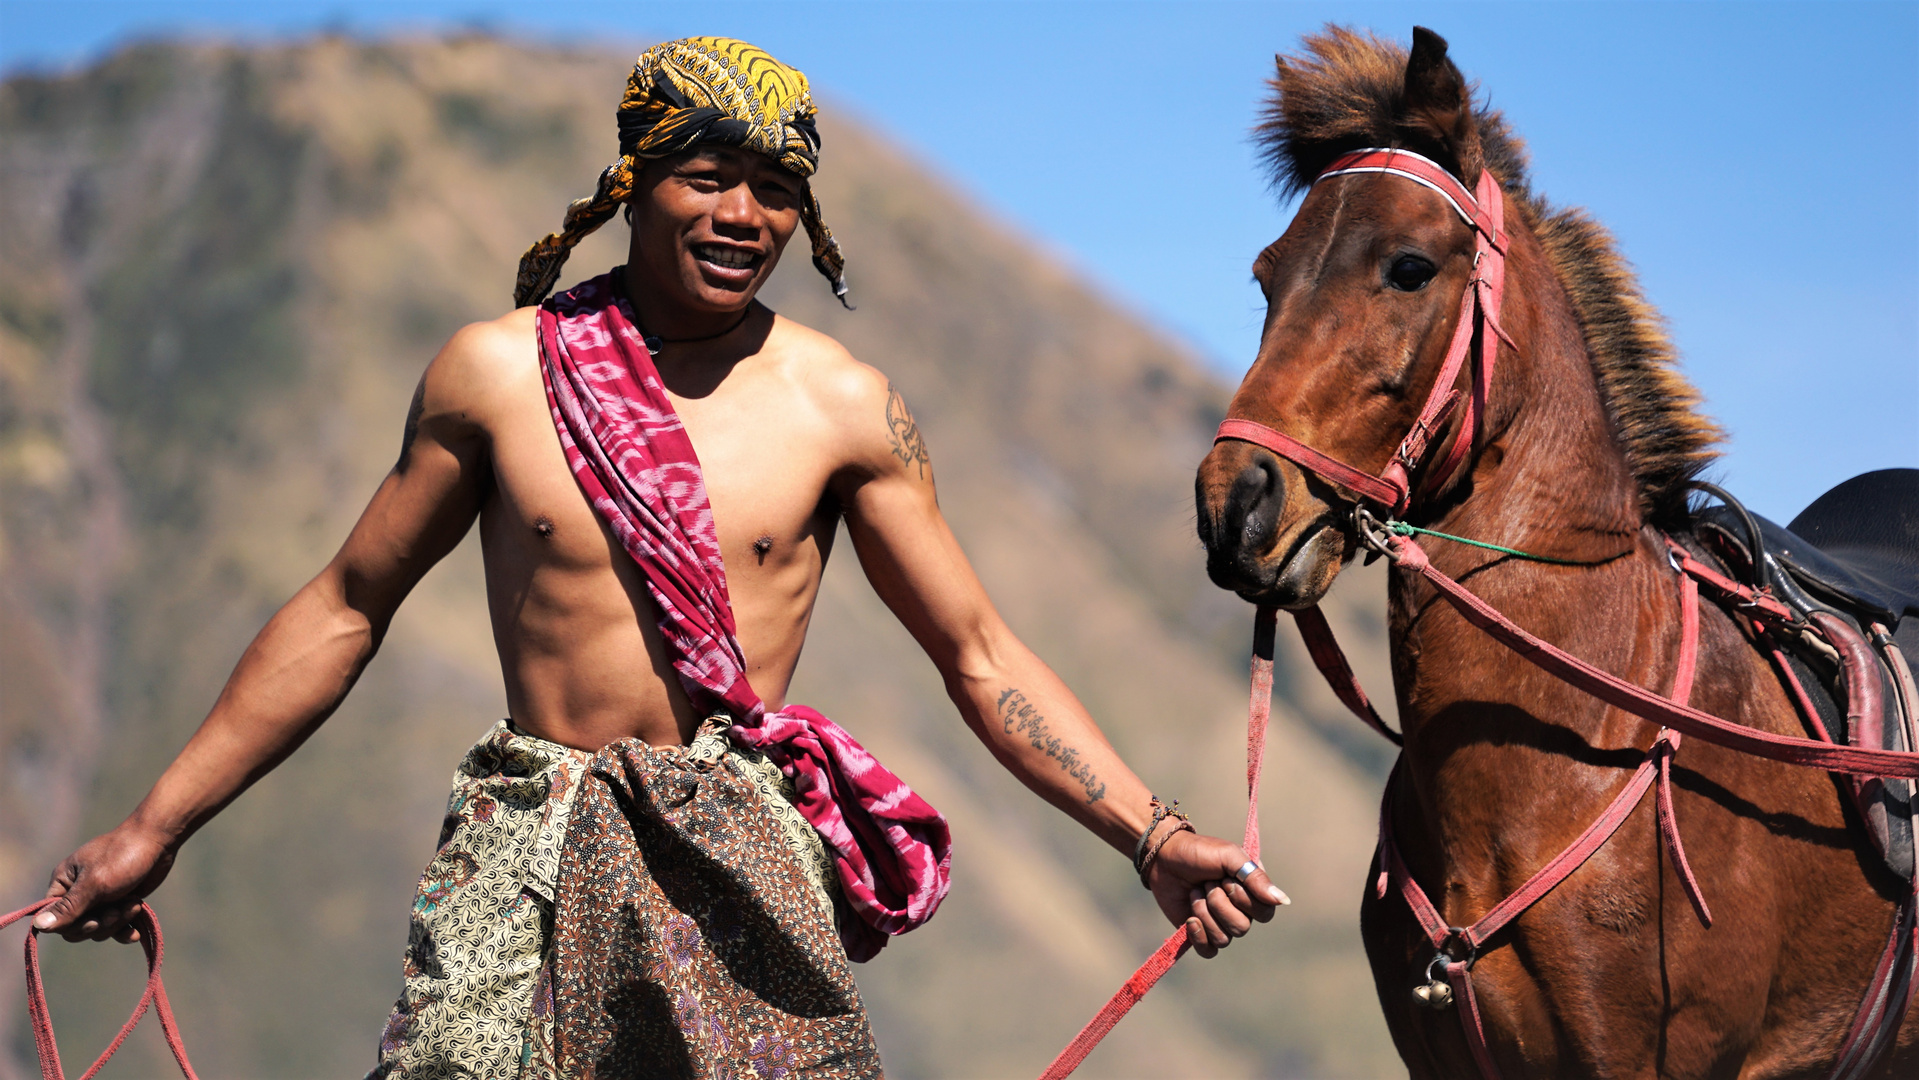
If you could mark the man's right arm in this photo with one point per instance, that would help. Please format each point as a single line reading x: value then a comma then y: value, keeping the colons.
x: 301, y: 665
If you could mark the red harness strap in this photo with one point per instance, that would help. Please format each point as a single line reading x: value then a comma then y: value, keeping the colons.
x: 1617, y: 692
x: 1654, y: 771
x: 1331, y: 662
x: 1258, y: 711
x: 1891, y: 985
x: 154, y: 995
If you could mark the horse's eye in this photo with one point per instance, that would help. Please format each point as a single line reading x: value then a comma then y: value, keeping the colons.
x: 1410, y: 273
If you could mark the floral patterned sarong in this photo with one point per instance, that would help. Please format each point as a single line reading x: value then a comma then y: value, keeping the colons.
x: 696, y: 922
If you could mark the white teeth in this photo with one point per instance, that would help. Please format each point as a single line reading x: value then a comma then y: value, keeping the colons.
x: 727, y: 257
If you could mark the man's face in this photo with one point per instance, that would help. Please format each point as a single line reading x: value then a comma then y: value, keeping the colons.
x: 709, y: 224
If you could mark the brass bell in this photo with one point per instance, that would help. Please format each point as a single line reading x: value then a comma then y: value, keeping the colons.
x: 1434, y: 995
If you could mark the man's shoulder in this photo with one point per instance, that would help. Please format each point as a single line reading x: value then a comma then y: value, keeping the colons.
x: 831, y: 377
x: 861, y: 412
x: 484, y: 360
x: 494, y: 348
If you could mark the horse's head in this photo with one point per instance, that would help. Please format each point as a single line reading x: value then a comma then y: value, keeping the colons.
x: 1363, y: 299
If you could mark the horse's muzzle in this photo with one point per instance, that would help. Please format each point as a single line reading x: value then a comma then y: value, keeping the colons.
x: 1255, y: 547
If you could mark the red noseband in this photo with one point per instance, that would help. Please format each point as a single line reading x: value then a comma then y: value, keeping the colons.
x: 1392, y: 486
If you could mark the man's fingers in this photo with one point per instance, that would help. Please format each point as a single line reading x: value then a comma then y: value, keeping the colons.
x: 1262, y: 886
x: 113, y: 921
x: 1226, y: 914
x: 1255, y: 887
x: 61, y: 912
x: 127, y: 933
x: 82, y: 931
x: 1259, y: 885
x: 1255, y: 909
x: 1202, y: 910
x: 1196, y: 937
x: 98, y: 927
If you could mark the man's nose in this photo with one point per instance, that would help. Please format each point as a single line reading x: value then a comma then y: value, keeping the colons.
x: 740, y: 209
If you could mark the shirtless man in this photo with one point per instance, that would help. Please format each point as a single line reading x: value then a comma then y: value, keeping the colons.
x: 793, y: 435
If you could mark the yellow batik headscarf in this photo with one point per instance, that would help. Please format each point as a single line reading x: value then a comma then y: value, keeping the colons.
x: 681, y: 94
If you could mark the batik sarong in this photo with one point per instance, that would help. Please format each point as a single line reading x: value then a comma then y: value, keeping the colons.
x: 479, y: 994
x: 688, y: 941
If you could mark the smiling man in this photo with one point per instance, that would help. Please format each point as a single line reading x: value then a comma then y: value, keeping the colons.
x: 655, y: 866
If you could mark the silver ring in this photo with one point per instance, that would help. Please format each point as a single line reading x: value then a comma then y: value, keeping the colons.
x: 1245, y: 871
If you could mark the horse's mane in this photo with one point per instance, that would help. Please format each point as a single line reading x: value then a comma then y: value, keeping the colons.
x: 1348, y: 92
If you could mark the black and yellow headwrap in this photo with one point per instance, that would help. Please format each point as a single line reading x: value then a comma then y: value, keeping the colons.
x: 681, y: 94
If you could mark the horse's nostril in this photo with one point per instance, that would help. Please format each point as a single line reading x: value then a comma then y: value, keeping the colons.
x: 1251, y: 513
x: 1254, y: 487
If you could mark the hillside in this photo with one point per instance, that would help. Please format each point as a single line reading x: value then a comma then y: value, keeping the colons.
x: 222, y: 271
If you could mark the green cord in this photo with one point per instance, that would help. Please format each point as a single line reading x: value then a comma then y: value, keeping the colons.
x: 1404, y: 529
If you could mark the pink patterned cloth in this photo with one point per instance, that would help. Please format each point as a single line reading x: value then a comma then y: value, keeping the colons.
x: 633, y: 459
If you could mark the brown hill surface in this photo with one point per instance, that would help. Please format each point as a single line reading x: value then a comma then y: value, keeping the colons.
x: 222, y: 270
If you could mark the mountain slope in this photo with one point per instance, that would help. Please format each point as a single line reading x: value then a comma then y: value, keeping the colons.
x: 222, y: 270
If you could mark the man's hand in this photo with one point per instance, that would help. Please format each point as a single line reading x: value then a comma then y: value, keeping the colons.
x: 1193, y: 880
x: 100, y: 886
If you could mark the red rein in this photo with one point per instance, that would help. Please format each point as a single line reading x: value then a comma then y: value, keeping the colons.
x: 155, y: 995
x: 1258, y: 710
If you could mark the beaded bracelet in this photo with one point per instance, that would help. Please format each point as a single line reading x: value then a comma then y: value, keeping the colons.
x: 1142, y: 856
x: 1182, y: 825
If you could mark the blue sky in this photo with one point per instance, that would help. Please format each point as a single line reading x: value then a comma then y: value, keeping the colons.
x: 1756, y: 161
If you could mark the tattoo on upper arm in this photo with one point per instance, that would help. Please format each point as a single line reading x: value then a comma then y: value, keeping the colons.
x: 908, y: 445
x: 413, y: 413
x: 1018, y: 716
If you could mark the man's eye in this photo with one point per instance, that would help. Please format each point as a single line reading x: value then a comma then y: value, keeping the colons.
x: 1410, y: 273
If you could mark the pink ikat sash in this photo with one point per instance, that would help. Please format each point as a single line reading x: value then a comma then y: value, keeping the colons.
x: 634, y: 461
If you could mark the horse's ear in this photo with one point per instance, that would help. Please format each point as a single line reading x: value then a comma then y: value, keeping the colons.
x: 1439, y: 106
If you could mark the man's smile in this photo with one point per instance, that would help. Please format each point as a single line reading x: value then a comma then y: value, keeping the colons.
x: 727, y: 258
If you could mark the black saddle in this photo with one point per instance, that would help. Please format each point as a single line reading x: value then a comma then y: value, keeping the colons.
x: 1860, y: 544
x: 1854, y: 551
x: 1853, y: 555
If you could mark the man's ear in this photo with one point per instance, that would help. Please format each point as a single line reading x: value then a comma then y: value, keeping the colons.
x: 1439, y: 108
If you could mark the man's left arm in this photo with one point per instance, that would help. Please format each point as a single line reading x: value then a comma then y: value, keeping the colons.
x: 1017, y: 706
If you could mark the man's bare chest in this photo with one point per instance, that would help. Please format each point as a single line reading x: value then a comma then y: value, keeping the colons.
x: 766, y: 473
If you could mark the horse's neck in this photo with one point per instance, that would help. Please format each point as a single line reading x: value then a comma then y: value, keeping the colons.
x: 1553, y: 478
x: 1552, y: 481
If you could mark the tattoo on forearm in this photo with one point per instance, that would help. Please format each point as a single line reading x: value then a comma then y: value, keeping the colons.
x: 908, y: 445
x: 1018, y: 716
x: 413, y: 413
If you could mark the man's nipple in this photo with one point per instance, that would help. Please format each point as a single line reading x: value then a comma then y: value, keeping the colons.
x: 544, y: 526
x: 763, y: 545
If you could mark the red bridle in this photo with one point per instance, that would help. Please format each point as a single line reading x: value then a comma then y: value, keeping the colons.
x: 1392, y: 487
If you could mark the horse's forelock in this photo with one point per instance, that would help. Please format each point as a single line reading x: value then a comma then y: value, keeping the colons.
x: 1346, y: 91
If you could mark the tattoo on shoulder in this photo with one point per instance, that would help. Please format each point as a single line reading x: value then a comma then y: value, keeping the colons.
x: 908, y: 445
x: 1018, y: 716
x: 413, y: 413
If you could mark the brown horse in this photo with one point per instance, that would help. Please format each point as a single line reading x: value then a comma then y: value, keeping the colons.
x: 1584, y: 454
